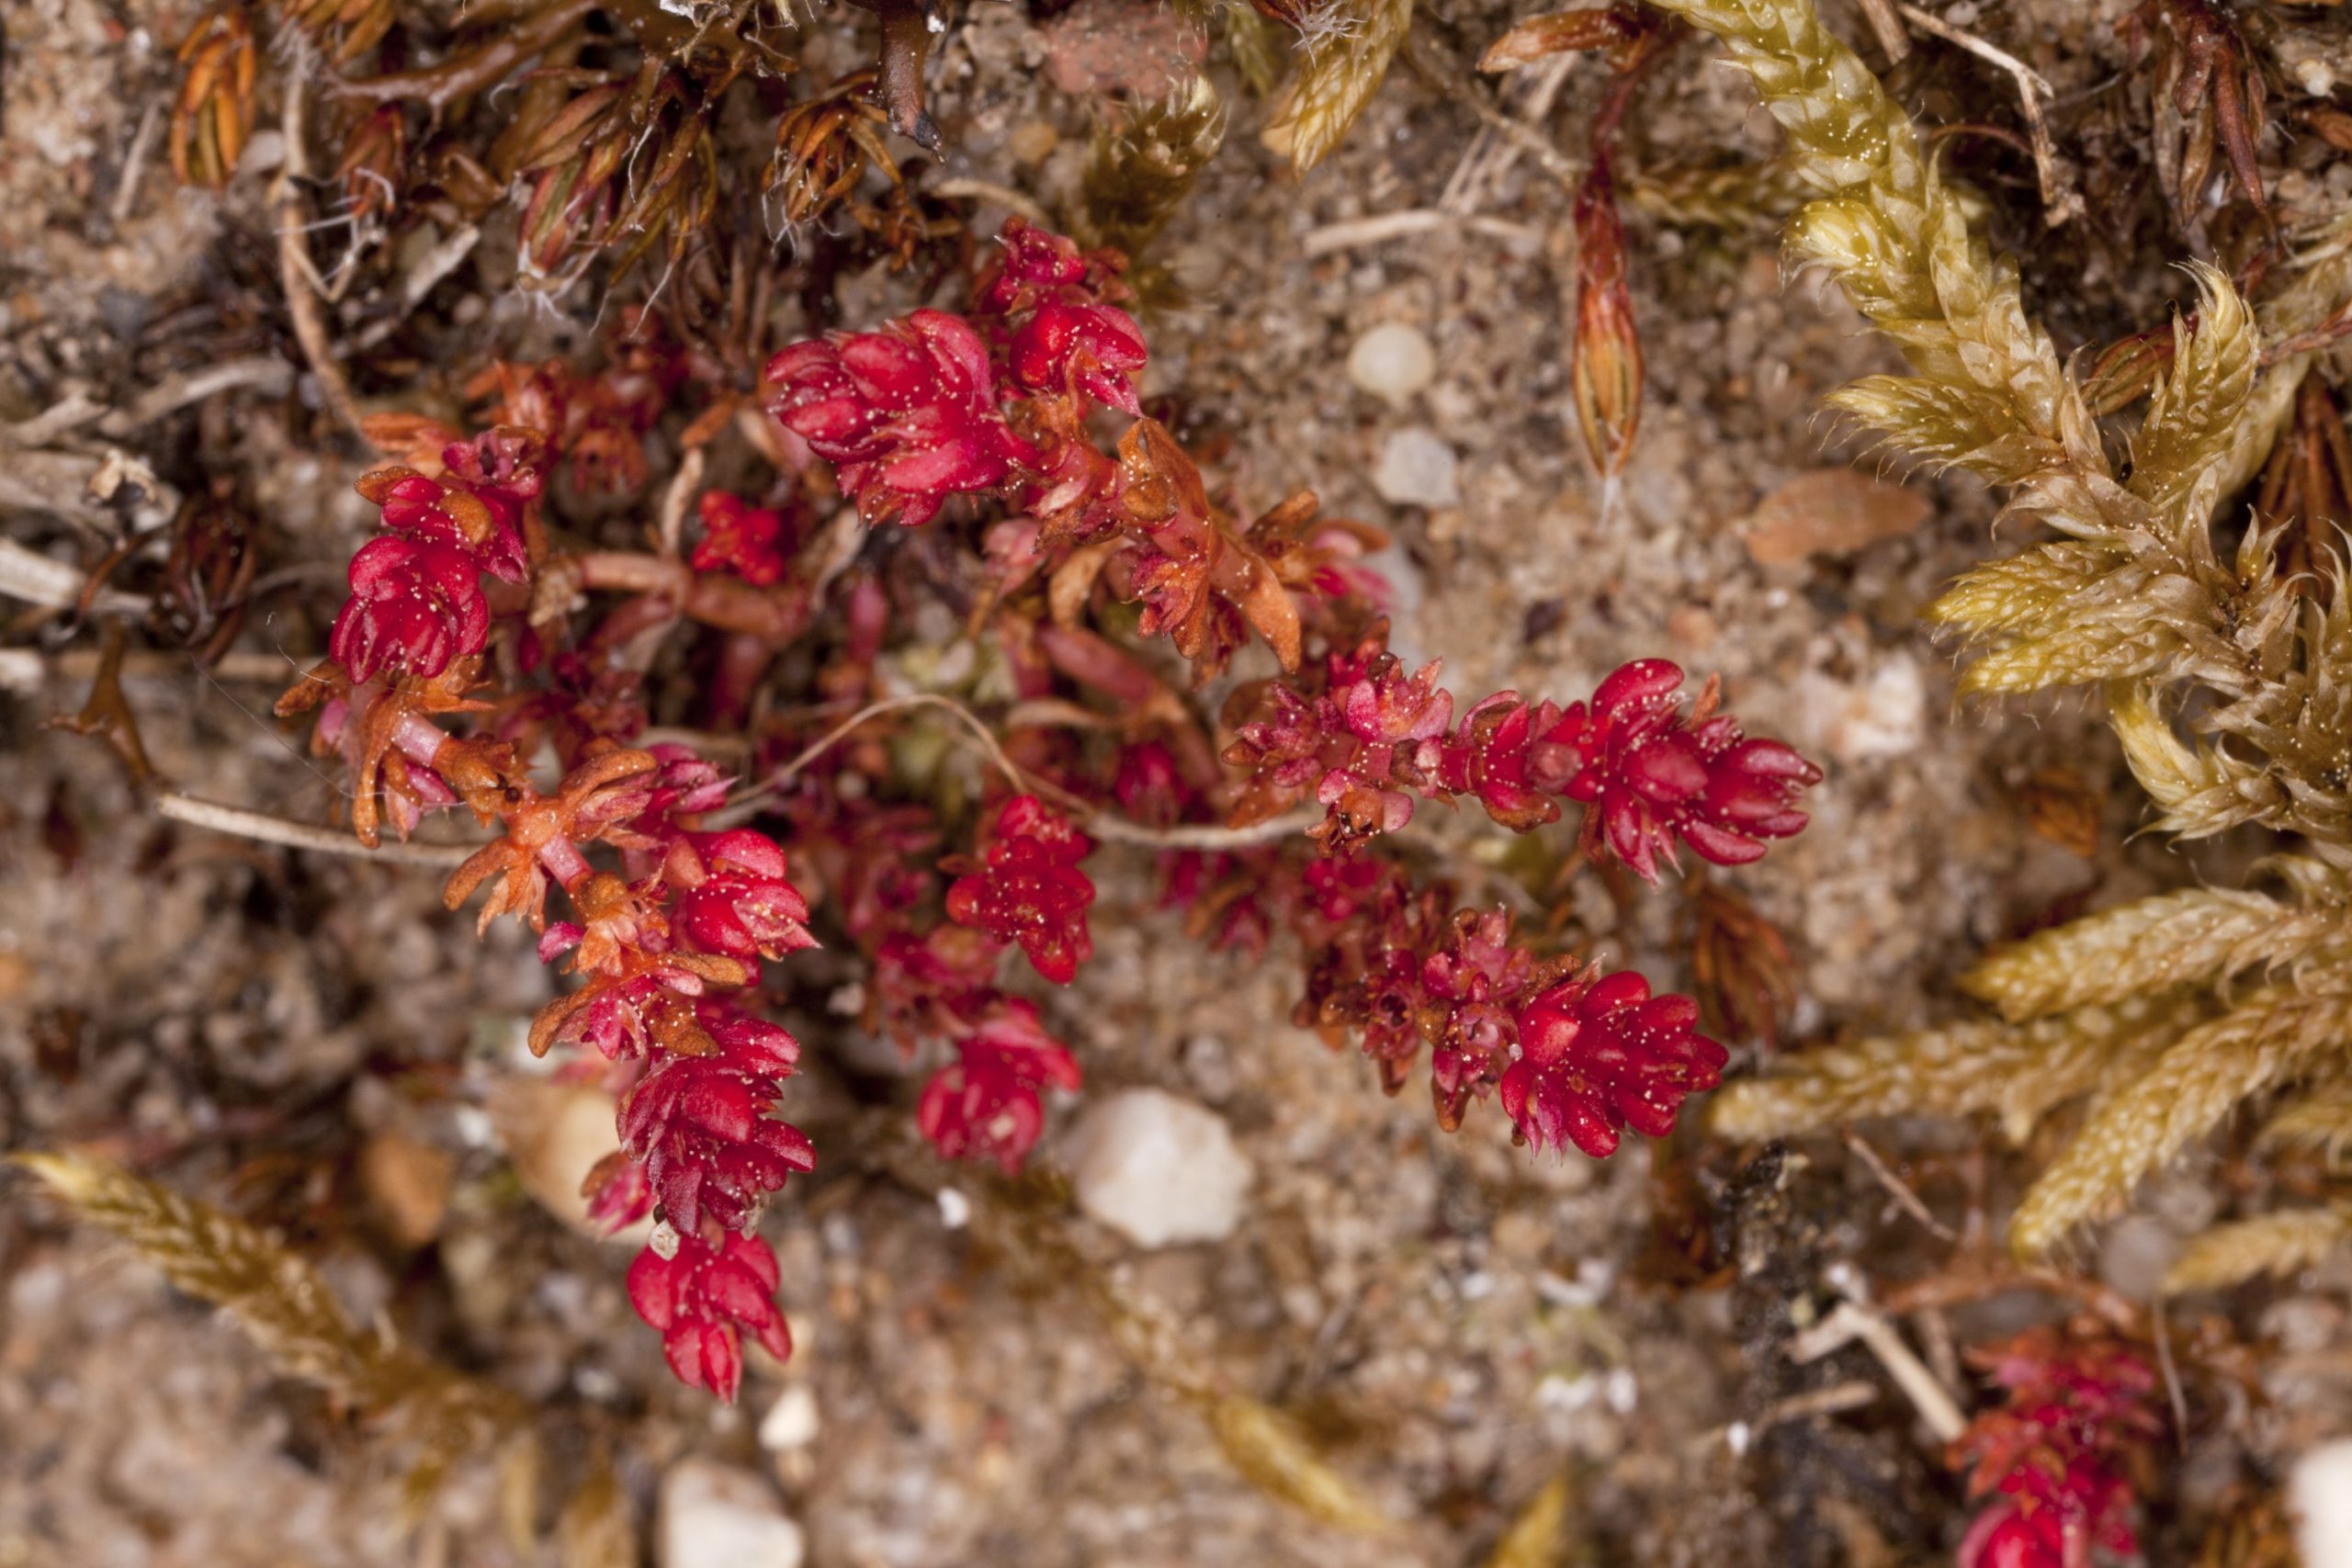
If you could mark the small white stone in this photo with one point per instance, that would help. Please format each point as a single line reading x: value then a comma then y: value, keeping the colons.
x: 1157, y: 1169
x: 1417, y: 468
x: 2319, y: 1493
x: 714, y: 1516
x: 791, y: 1422
x: 1392, y: 361
x: 1883, y: 716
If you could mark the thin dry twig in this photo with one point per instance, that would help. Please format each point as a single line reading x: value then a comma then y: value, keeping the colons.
x: 1447, y: 77
x: 1106, y: 825
x: 1897, y: 1189
x: 2162, y: 1331
x: 268, y: 829
x: 1886, y: 26
x: 297, y: 276
x: 1937, y: 1344
x: 1835, y: 1400
x: 746, y: 806
x: 1383, y: 226
x: 1957, y: 1287
x: 69, y: 413
x: 963, y: 187
x: 683, y: 485
x: 29, y: 669
x: 1490, y: 157
x: 1850, y: 1321
x: 1117, y: 829
x: 28, y: 575
x: 438, y: 85
x: 2060, y: 200
x: 134, y: 166
x: 107, y: 715
x: 180, y: 388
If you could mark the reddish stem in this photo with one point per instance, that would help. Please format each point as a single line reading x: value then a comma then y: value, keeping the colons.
x: 476, y: 71
x: 774, y: 615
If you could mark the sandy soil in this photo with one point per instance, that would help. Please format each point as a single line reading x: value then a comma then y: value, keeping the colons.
x: 1454, y: 1321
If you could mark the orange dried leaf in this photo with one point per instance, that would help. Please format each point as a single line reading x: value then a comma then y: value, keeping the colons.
x: 1607, y: 378
x: 1604, y: 28
x: 2062, y: 808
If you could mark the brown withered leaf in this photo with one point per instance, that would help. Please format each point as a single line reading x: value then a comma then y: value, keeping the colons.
x: 2061, y: 806
x: 1607, y: 375
x: 2256, y: 1532
x: 2126, y: 370
x: 213, y: 117
x: 1740, y: 964
x: 2307, y: 487
x: 2332, y: 126
x: 1830, y: 511
x: 823, y: 148
x: 107, y: 714
x: 346, y: 29
x: 906, y: 27
x: 1613, y: 29
x: 2212, y: 100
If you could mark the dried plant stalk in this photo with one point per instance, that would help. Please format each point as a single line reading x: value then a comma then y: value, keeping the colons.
x: 1606, y: 376
x: 284, y: 1304
x: 213, y: 117
x: 279, y: 1298
x: 1269, y: 1452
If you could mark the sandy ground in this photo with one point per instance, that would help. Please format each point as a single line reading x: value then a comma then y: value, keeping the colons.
x: 1455, y: 1321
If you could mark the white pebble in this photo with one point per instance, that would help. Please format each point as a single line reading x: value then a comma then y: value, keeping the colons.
x: 714, y: 1516
x: 1883, y: 717
x: 2319, y: 1493
x: 1157, y: 1169
x: 791, y: 1422
x: 1417, y: 468
x: 1392, y: 361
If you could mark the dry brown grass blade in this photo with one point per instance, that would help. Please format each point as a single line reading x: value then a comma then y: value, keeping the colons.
x: 1533, y: 1539
x: 282, y: 1301
x: 1273, y: 1454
